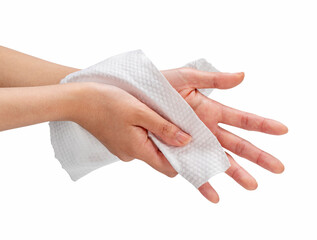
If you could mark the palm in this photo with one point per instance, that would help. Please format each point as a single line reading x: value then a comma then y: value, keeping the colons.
x: 186, y: 81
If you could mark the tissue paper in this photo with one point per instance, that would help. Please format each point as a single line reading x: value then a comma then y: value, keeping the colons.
x: 79, y: 152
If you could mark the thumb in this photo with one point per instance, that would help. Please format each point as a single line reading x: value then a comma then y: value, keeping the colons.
x: 221, y: 80
x: 163, y: 129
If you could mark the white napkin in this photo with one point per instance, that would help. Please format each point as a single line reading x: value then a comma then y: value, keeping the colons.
x: 79, y: 152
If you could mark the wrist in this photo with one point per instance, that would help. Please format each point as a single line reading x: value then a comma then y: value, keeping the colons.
x: 75, y: 100
x: 31, y: 105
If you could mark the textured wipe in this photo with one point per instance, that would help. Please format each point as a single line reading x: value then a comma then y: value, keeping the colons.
x: 80, y: 152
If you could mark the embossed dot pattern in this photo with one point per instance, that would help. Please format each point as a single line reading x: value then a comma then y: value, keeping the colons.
x: 79, y: 152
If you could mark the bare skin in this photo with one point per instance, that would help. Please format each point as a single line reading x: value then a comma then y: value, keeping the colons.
x: 25, y: 100
x: 120, y: 122
x: 186, y: 81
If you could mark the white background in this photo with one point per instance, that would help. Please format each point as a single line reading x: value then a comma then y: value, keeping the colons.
x: 273, y: 42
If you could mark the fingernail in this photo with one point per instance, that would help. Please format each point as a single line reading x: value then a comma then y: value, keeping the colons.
x: 182, y: 137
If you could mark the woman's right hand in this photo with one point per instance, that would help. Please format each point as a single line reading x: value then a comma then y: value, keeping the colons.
x: 120, y: 122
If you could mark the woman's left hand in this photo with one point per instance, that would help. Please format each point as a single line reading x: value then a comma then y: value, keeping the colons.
x: 186, y: 81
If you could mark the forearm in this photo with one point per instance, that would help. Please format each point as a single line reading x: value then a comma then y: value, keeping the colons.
x: 22, y: 70
x: 22, y: 106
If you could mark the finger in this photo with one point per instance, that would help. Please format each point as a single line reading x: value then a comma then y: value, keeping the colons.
x: 209, y: 192
x: 150, y: 154
x: 251, y: 121
x: 245, y: 149
x: 203, y: 79
x: 240, y: 175
x: 165, y: 130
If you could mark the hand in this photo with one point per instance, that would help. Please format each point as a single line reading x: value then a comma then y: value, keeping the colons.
x: 35, y: 72
x: 186, y: 81
x: 120, y: 122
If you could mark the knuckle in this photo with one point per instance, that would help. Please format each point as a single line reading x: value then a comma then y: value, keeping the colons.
x: 259, y: 159
x: 240, y: 147
x: 166, y: 128
x: 215, y: 83
x: 139, y: 112
x: 235, y: 172
x: 214, y: 78
x: 245, y: 120
x: 263, y: 125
